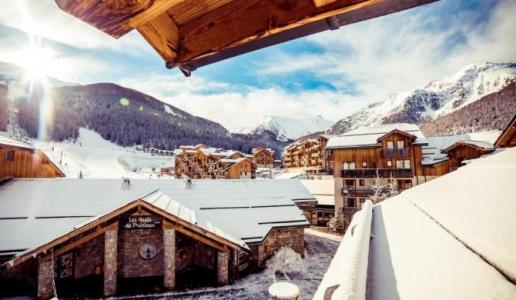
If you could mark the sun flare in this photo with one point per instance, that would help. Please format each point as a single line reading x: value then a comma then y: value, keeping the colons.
x: 36, y: 61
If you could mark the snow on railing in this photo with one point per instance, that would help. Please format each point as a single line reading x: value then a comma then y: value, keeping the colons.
x: 346, y: 278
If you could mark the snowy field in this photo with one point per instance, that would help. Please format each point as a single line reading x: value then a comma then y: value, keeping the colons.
x: 319, y: 253
x: 99, y: 158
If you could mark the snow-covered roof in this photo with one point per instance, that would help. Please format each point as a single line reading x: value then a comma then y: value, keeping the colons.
x: 323, y: 190
x: 4, y: 140
x: 368, y: 136
x: 432, y: 152
x: 39, y: 210
x: 450, y: 238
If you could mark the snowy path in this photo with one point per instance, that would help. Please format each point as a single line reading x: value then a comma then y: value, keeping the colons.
x: 319, y: 253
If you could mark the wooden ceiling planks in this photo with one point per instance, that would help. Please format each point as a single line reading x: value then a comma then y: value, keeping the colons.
x: 116, y: 17
x: 193, y: 33
x: 186, y: 11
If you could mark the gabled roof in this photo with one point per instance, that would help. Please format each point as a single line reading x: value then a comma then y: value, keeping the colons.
x: 39, y: 210
x: 433, y: 152
x: 4, y: 140
x: 480, y: 145
x: 368, y: 136
x: 397, y: 131
x: 508, y: 136
x: 193, y: 33
x: 156, y: 202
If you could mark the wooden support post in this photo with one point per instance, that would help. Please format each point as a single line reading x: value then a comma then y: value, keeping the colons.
x: 169, y: 258
x: 110, y: 262
x: 46, y: 279
x: 222, y: 267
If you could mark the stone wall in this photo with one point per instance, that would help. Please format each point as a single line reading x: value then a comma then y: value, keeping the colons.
x: 292, y: 237
x: 191, y: 252
x: 89, y: 258
x: 131, y: 264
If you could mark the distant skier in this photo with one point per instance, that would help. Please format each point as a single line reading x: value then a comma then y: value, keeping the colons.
x: 80, y: 174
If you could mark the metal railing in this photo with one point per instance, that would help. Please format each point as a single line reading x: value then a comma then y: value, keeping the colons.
x: 371, y: 173
x: 391, y: 153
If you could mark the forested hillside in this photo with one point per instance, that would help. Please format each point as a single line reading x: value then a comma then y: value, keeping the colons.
x: 128, y: 117
x: 493, y: 111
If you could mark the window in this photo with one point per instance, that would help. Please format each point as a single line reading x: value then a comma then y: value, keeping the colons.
x: 349, y: 165
x: 399, y: 164
x: 350, y: 182
x: 406, y: 164
x: 364, y: 164
x: 9, y: 155
x: 408, y: 183
x: 389, y: 163
x: 351, y: 202
x: 400, y: 144
x: 390, y: 145
x: 361, y: 182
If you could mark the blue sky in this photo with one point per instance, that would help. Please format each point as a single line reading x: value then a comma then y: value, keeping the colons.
x: 331, y: 74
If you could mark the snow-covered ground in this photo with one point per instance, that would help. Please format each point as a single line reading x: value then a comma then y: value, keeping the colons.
x: 318, y: 254
x: 99, y: 158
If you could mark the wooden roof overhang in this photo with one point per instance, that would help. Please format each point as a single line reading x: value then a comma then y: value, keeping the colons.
x: 465, y: 144
x: 508, y: 136
x: 109, y: 221
x: 35, y: 151
x: 193, y: 33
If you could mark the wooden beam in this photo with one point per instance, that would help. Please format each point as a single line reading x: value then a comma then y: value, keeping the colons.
x: 241, y: 20
x: 116, y: 17
x: 163, y: 35
x: 222, y: 30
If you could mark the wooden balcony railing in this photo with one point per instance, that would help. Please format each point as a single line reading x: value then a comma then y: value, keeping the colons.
x: 371, y: 173
x: 392, y: 153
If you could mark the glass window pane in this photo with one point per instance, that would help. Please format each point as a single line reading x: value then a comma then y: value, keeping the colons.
x: 390, y: 144
x: 401, y: 144
x: 399, y: 164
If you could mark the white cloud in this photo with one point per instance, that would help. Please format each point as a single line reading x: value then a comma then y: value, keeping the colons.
x: 402, y: 51
x: 236, y: 107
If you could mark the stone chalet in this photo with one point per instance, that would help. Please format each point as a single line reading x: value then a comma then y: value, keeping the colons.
x: 104, y: 237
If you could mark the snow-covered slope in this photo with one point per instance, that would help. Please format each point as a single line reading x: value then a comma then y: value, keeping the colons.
x: 98, y: 158
x: 286, y: 128
x: 437, y: 98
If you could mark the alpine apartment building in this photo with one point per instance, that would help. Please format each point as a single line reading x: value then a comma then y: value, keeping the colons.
x: 390, y: 157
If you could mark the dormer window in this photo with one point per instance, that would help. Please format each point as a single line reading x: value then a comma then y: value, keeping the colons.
x: 390, y: 145
x: 400, y: 144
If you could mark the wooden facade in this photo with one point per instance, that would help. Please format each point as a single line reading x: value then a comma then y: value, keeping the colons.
x: 396, y: 160
x: 307, y: 153
x: 507, y: 138
x: 110, y: 253
x: 202, y: 162
x: 191, y: 33
x: 23, y: 161
x: 264, y: 157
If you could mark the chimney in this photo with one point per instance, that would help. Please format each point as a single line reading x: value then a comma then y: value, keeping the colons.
x: 188, y: 185
x: 126, y: 183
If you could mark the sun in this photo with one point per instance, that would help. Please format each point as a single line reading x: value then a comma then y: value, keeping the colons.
x: 36, y: 61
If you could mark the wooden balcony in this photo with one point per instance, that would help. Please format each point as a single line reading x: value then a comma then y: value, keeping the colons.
x: 371, y: 173
x: 395, y: 153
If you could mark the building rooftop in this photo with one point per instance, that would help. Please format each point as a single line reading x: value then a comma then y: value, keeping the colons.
x: 40, y: 210
x: 450, y: 238
x: 4, y: 140
x: 323, y: 190
x: 368, y: 136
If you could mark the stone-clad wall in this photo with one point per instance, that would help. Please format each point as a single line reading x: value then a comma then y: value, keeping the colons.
x: 131, y: 264
x: 89, y: 258
x: 292, y: 237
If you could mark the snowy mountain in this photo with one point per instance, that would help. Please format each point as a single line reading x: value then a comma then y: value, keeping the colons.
x: 438, y: 98
x: 286, y: 128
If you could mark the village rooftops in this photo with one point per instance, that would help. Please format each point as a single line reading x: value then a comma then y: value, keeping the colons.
x: 242, y: 211
x: 450, y: 238
x: 323, y: 190
x: 369, y: 136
